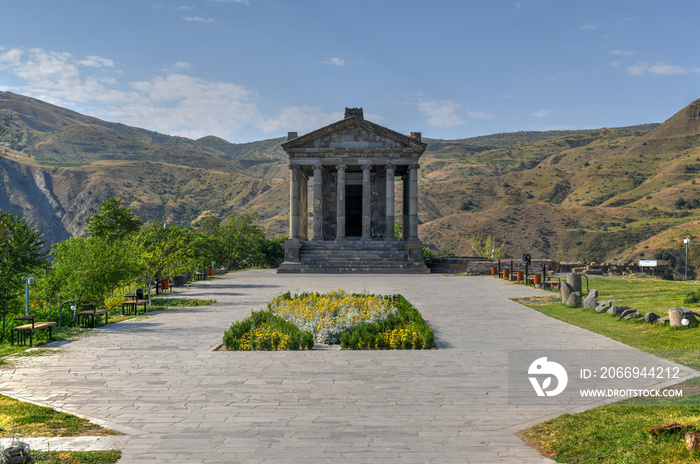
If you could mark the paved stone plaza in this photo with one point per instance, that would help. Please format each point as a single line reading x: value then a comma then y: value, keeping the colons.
x: 158, y: 380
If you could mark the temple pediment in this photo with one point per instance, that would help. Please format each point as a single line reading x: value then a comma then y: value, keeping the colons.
x: 353, y: 134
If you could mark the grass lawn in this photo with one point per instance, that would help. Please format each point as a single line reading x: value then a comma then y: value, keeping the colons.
x: 643, y: 295
x: 76, y: 457
x: 21, y: 419
x: 618, y: 433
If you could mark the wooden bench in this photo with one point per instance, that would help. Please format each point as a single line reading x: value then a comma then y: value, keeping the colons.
x: 132, y: 307
x: 86, y: 318
x: 27, y: 330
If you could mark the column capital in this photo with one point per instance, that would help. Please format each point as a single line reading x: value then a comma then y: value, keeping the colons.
x: 366, y: 167
x: 414, y: 166
x: 317, y: 166
x: 341, y: 167
x: 390, y: 166
x: 294, y: 167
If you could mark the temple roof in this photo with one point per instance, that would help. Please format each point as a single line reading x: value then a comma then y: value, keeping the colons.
x: 354, y: 133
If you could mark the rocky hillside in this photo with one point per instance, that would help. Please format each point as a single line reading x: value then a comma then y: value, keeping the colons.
x: 599, y: 195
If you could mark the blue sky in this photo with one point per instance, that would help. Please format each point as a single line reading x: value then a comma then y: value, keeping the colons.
x: 248, y: 70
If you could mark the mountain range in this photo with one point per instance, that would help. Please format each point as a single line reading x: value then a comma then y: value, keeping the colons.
x: 608, y: 194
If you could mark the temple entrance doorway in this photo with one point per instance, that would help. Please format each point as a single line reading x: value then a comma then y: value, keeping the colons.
x: 353, y: 210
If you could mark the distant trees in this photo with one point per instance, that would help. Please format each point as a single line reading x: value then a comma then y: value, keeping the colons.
x: 6, y: 134
x: 236, y: 242
x: 167, y: 250
x: 22, y: 253
x: 487, y: 248
x: 113, y: 221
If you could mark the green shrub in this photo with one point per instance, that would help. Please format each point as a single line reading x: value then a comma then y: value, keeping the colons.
x: 277, y: 334
x: 692, y: 297
x: 405, y: 330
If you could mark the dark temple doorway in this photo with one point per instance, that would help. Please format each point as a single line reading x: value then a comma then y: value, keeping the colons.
x: 353, y: 210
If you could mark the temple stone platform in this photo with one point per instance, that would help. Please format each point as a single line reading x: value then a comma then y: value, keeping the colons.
x: 347, y: 257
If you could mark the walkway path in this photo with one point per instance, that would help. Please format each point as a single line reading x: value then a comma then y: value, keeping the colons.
x: 158, y: 379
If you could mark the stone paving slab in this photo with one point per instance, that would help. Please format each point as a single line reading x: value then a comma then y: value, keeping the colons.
x: 158, y: 379
x: 72, y: 443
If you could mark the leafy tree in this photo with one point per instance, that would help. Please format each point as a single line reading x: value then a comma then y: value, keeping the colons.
x: 165, y: 249
x: 114, y: 221
x: 21, y: 253
x: 487, y: 248
x: 274, y: 251
x: 90, y: 269
x: 241, y: 242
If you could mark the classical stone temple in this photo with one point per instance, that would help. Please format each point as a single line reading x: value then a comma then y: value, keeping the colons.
x: 353, y: 166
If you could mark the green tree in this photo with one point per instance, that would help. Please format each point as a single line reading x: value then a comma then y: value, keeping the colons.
x: 241, y: 243
x: 21, y: 254
x: 167, y: 250
x: 487, y: 248
x: 90, y: 269
x: 114, y: 221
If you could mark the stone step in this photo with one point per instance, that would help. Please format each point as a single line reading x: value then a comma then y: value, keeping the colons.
x: 352, y: 270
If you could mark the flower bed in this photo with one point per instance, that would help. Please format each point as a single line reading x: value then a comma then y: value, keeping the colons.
x: 330, y: 315
x: 265, y: 331
x: 404, y: 330
x: 354, y: 321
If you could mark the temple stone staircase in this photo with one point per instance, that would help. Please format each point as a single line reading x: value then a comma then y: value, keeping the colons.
x: 375, y: 257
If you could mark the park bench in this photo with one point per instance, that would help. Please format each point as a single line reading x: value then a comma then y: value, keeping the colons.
x: 131, y: 306
x: 27, y: 330
x: 86, y: 317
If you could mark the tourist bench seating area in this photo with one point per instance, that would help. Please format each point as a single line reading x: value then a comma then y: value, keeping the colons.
x: 25, y: 332
x: 132, y: 306
x: 86, y: 317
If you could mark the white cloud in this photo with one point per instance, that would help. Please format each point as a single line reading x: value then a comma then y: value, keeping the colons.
x: 96, y: 62
x: 58, y: 77
x: 660, y: 68
x: 543, y: 113
x: 480, y: 115
x: 173, y: 104
x: 622, y: 52
x: 334, y: 61
x: 590, y: 27
x: 200, y: 19
x: 189, y: 106
x: 299, y: 118
x: 441, y: 113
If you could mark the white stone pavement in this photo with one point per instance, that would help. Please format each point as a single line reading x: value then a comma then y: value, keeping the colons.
x: 158, y: 380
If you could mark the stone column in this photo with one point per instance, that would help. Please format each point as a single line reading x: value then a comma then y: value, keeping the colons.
x: 340, y: 204
x: 413, y: 201
x: 389, y: 233
x: 294, y: 202
x: 318, y: 202
x: 366, y: 203
x: 404, y: 218
x: 303, y: 206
